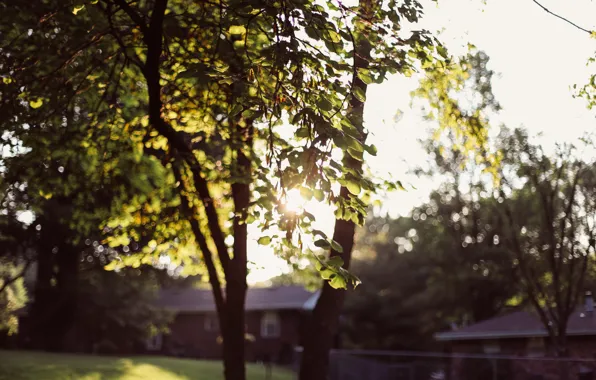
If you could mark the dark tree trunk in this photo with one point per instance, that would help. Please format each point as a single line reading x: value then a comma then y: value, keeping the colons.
x: 65, y: 310
x: 43, y: 294
x: 323, y: 325
x: 234, y: 337
x: 233, y: 332
x: 55, y: 294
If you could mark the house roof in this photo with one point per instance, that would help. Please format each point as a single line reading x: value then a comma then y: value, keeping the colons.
x: 521, y: 324
x: 274, y: 298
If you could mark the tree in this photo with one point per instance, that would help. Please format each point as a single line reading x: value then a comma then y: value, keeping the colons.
x: 13, y: 296
x: 553, y: 237
x: 434, y: 267
x: 196, y: 94
x: 117, y: 311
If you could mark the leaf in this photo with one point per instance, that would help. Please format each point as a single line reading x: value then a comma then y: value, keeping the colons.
x: 338, y: 282
x: 365, y: 76
x: 237, y: 30
x: 322, y: 243
x: 359, y: 94
x: 36, y: 103
x: 319, y: 195
x: 319, y: 233
x: 325, y: 104
x: 356, y: 154
x: 337, y: 248
x: 353, y: 187
x: 312, y: 32
x: 77, y: 9
x: 306, y: 193
x: 236, y: 110
x: 336, y: 261
x: 334, y: 36
x: 356, y: 145
x: 308, y: 215
x: 371, y: 149
x: 264, y: 240
x: 442, y: 51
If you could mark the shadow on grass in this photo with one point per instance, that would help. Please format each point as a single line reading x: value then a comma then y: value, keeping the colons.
x: 29, y: 365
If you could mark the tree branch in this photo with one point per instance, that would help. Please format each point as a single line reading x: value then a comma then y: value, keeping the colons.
x: 201, y: 241
x: 8, y: 282
x: 562, y: 18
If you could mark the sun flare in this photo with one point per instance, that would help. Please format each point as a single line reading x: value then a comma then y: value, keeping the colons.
x: 293, y: 201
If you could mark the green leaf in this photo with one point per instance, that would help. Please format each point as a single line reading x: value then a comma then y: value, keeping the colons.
x: 319, y: 195
x: 442, y: 51
x: 353, y: 187
x: 334, y: 36
x: 236, y: 110
x: 356, y: 145
x: 319, y: 233
x: 337, y: 248
x: 306, y: 193
x: 237, y: 30
x: 338, y: 282
x: 264, y: 240
x: 322, y: 243
x: 364, y: 75
x: 371, y: 149
x: 325, y: 104
x: 336, y: 261
x: 312, y: 33
x: 359, y: 94
x: 356, y: 154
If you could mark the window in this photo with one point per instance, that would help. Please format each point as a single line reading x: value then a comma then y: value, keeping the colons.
x: 270, y: 325
x: 210, y: 322
x: 154, y: 343
x: 535, y: 347
x: 491, y: 347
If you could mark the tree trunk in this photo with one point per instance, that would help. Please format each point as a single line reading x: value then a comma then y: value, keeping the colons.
x: 55, y: 295
x: 65, y: 309
x: 42, y: 294
x: 325, y: 318
x: 324, y: 321
x: 233, y: 332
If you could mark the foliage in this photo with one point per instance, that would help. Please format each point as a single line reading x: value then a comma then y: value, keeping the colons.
x: 553, y: 239
x: 13, y: 296
x: 217, y: 108
x: 208, y: 81
x: 427, y: 264
x: 116, y: 310
x: 29, y: 365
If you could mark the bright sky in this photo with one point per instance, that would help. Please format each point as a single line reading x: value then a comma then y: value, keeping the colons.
x: 538, y: 57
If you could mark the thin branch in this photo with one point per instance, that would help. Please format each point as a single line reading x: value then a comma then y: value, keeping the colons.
x: 8, y: 282
x: 562, y: 18
x: 201, y: 240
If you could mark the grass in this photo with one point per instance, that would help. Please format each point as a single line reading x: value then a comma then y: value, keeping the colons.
x: 29, y: 365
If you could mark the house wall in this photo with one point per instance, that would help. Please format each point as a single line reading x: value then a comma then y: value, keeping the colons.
x: 530, y: 365
x: 189, y: 338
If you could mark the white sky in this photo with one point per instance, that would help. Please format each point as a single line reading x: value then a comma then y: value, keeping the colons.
x: 538, y: 58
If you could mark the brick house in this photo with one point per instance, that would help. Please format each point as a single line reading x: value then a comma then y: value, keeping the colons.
x: 275, y: 318
x: 518, y: 344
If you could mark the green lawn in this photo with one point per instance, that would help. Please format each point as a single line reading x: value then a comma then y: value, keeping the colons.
x: 24, y: 365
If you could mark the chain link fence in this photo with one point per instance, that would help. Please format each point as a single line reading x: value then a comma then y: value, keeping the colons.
x: 402, y: 365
